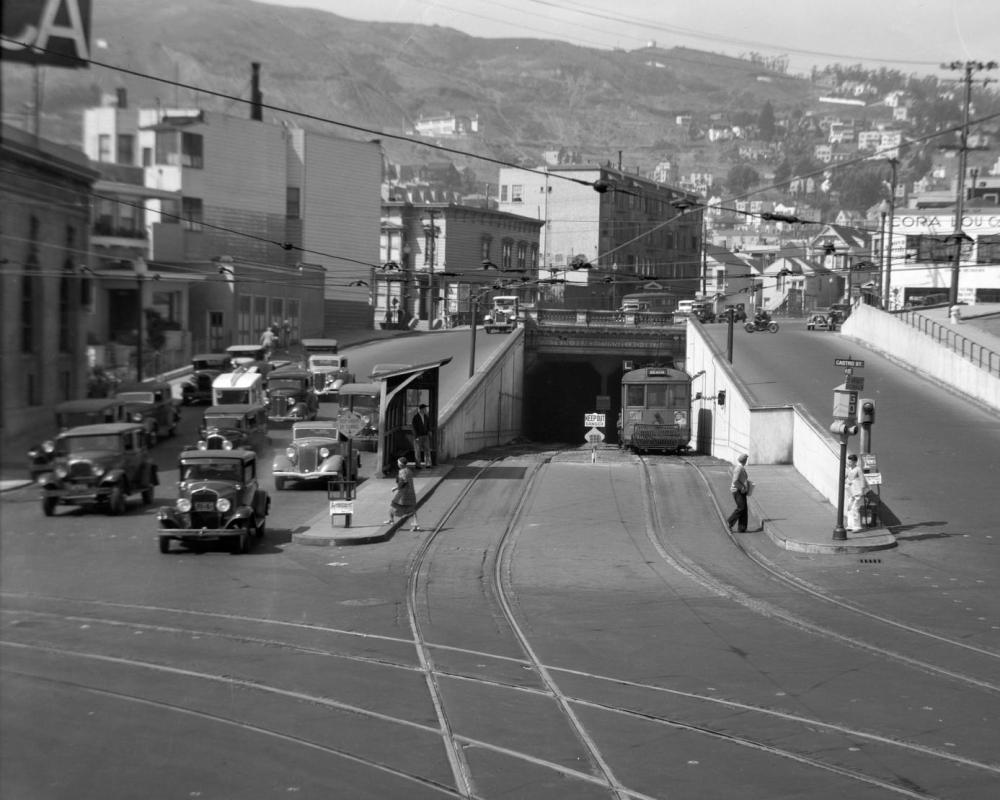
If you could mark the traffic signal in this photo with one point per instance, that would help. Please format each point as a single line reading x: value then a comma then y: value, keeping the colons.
x: 843, y: 428
x: 721, y: 398
x: 867, y: 411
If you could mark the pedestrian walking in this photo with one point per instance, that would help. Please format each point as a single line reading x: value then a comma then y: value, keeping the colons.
x: 267, y: 340
x: 421, y: 437
x: 856, y: 487
x: 740, y: 487
x: 404, y: 497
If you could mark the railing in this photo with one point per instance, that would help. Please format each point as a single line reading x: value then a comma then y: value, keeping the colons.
x: 982, y: 357
x: 592, y: 318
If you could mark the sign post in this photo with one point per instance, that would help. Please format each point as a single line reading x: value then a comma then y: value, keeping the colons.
x: 594, y: 436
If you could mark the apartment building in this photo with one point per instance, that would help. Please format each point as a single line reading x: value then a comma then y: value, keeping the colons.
x: 625, y: 232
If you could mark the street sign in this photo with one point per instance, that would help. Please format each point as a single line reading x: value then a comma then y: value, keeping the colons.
x: 848, y: 362
x: 350, y: 423
x: 869, y: 462
x: 594, y: 436
x: 603, y: 402
x: 873, y: 478
x: 854, y: 383
x: 593, y: 420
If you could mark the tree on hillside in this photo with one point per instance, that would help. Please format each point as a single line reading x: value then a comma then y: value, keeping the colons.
x: 741, y: 178
x: 766, y: 122
x: 859, y: 186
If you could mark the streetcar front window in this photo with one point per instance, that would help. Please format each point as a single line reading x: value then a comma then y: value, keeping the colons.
x: 636, y: 395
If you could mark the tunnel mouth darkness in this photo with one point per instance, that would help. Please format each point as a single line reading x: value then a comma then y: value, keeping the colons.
x: 557, y: 397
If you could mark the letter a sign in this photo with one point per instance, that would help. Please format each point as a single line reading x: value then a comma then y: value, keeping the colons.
x: 47, y: 32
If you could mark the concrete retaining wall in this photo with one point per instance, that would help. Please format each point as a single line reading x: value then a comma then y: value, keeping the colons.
x: 916, y: 350
x: 489, y: 409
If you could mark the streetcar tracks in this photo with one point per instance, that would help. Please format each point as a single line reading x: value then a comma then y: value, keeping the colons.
x: 767, y: 608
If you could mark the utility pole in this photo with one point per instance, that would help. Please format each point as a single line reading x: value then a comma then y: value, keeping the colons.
x: 886, y: 280
x: 959, y: 235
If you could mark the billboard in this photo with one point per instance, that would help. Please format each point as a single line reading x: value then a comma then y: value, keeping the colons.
x: 59, y: 29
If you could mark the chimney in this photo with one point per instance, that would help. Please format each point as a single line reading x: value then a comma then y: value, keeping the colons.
x: 121, y: 97
x: 256, y: 98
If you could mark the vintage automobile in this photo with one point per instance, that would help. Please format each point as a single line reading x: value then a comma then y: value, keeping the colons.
x: 821, y: 322
x: 234, y: 427
x: 739, y: 313
x: 703, y: 312
x: 219, y: 499
x: 197, y: 388
x: 99, y: 465
x: 290, y: 395
x: 244, y: 385
x: 502, y: 316
x: 71, y: 414
x: 250, y: 355
x: 153, y: 405
x: 319, y: 450
x: 329, y: 370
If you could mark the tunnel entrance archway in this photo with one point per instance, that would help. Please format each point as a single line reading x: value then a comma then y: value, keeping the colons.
x: 557, y: 396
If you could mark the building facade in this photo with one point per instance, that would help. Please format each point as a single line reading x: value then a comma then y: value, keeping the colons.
x: 45, y: 224
x: 627, y: 231
x: 436, y: 256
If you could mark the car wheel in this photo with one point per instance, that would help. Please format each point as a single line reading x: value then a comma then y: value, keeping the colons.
x: 116, y: 501
x: 148, y: 495
x: 49, y: 506
x: 279, y: 484
x: 152, y: 437
x: 241, y: 543
x: 164, y: 542
x: 261, y: 525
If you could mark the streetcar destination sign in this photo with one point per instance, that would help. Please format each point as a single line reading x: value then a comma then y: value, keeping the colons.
x: 848, y: 362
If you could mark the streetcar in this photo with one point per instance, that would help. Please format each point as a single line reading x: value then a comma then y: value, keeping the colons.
x: 661, y: 302
x: 656, y: 410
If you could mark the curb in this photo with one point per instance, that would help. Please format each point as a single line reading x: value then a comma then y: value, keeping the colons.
x: 868, y: 541
x: 365, y: 534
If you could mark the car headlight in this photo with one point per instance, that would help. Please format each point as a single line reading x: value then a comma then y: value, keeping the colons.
x: 223, y: 504
x: 227, y: 445
x: 290, y: 452
x: 183, y: 505
x: 202, y: 444
x: 99, y: 470
x: 49, y: 447
x: 61, y: 472
x: 324, y: 452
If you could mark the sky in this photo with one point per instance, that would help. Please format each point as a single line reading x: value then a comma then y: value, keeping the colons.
x: 912, y: 36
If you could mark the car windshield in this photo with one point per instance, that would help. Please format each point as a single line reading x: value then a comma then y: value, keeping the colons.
x: 306, y: 433
x: 136, y: 397
x: 223, y: 422
x: 324, y: 362
x: 211, y: 471
x: 70, y: 445
x: 288, y: 384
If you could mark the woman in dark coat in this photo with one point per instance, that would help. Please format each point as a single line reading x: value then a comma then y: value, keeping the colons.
x: 404, y: 497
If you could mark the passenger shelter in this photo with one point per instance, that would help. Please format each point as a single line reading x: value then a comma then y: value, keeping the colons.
x: 403, y: 389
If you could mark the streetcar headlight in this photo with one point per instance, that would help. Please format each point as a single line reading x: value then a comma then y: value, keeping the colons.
x: 183, y: 505
x: 223, y: 504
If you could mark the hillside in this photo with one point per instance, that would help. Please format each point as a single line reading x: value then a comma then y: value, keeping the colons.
x: 530, y: 95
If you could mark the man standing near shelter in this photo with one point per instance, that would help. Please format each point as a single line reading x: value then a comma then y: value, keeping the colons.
x: 740, y: 487
x: 421, y: 437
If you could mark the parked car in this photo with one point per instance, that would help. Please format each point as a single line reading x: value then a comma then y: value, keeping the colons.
x: 234, y: 427
x: 99, y: 465
x: 153, y: 405
x: 72, y: 414
x: 197, y: 388
x: 703, y: 312
x: 218, y: 499
x: 319, y: 450
x: 290, y: 395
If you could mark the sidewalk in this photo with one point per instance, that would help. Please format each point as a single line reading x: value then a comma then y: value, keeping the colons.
x: 795, y: 516
x: 371, y: 507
